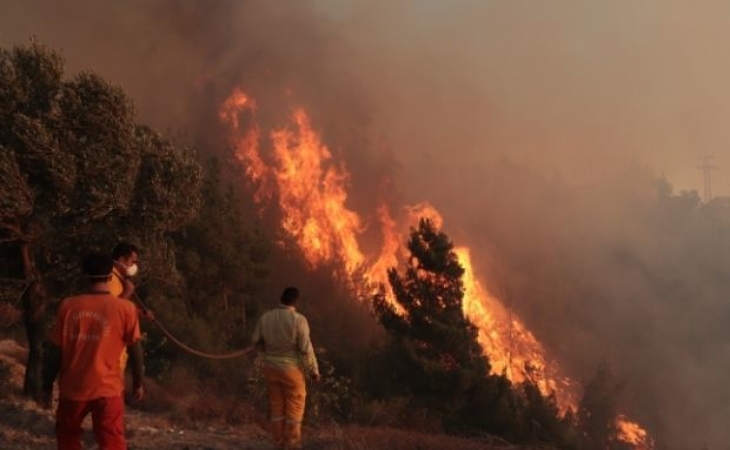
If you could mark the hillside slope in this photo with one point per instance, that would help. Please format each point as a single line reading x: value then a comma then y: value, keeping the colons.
x: 25, y: 426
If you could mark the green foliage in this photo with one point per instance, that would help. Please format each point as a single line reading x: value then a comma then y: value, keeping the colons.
x: 335, y: 397
x: 434, y: 341
x: 543, y: 421
x: 491, y: 406
x: 78, y: 172
x: 598, y: 411
x: 168, y: 190
x: 16, y: 200
x: 222, y: 266
x: 97, y: 120
x: 519, y: 413
x: 224, y: 263
x: 432, y: 356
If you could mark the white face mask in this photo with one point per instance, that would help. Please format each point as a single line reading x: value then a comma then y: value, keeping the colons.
x: 132, y: 270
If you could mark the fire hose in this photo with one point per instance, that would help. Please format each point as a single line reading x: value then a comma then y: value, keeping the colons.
x: 187, y: 348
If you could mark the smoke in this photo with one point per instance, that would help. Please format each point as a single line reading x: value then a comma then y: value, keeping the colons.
x: 540, y: 129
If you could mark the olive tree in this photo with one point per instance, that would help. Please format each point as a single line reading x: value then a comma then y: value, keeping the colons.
x: 77, y: 172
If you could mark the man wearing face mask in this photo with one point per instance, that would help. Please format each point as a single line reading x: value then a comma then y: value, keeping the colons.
x: 126, y: 265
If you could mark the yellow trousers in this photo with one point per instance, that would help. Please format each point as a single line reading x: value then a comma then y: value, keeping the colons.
x: 287, y: 393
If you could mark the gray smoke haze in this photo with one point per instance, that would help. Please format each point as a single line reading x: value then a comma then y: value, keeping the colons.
x: 540, y: 129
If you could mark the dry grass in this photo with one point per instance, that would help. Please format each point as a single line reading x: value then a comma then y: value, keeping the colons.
x: 9, y: 315
x: 180, y: 414
x: 361, y: 438
x: 188, y: 401
x: 12, y: 358
x: 20, y: 418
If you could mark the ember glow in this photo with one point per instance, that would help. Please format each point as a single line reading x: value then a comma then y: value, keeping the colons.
x: 301, y: 175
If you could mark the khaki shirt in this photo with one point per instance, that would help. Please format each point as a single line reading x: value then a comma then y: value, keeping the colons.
x: 284, y: 335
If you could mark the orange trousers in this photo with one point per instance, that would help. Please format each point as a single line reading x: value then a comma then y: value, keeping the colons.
x: 107, y: 416
x: 287, y: 393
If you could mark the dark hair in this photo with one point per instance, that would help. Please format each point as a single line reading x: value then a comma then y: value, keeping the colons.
x: 123, y: 250
x: 290, y: 296
x: 97, y: 266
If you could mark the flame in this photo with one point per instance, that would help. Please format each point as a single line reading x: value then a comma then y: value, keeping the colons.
x: 632, y: 433
x: 311, y: 192
x: 312, y: 197
x: 247, y: 142
x: 378, y: 272
x: 512, y: 348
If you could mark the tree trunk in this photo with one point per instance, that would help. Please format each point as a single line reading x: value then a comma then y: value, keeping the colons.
x: 34, y: 306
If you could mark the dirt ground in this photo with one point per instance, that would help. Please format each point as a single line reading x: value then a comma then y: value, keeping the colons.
x: 26, y: 426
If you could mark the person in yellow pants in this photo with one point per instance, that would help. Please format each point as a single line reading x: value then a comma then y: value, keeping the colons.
x: 283, y: 336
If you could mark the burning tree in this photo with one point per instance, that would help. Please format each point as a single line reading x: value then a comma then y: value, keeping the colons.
x: 598, y: 413
x: 433, y: 308
x: 432, y: 340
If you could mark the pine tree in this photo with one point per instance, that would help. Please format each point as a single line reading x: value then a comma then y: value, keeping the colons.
x: 433, y: 346
x: 598, y: 410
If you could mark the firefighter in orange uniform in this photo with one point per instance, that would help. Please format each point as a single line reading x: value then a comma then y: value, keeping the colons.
x: 90, y: 332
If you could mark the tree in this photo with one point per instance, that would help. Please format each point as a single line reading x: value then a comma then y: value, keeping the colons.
x: 224, y: 262
x: 598, y: 410
x: 543, y: 421
x: 77, y: 172
x: 435, y: 343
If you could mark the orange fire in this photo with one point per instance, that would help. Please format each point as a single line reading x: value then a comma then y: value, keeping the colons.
x: 311, y: 192
x: 512, y: 348
x: 235, y: 108
x: 632, y: 433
